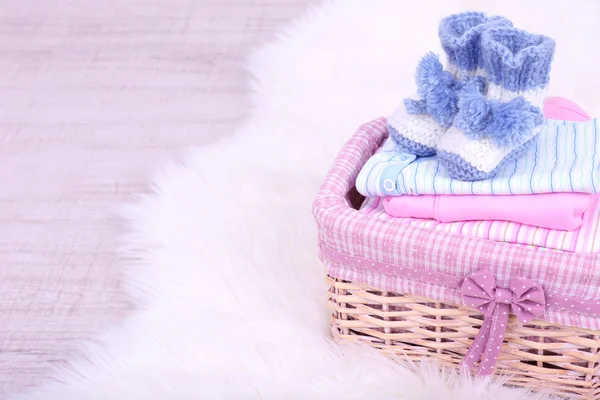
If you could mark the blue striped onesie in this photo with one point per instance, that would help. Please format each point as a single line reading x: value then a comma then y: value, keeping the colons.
x: 564, y: 159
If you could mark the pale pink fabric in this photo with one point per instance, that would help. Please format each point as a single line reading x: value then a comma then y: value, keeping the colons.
x: 585, y: 239
x: 561, y: 211
x: 466, y: 293
x: 400, y: 248
x: 564, y: 109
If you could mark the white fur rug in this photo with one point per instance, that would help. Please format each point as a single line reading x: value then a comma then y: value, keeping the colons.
x: 224, y: 253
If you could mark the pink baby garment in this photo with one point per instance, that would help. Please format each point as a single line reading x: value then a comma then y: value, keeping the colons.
x: 560, y: 211
x: 585, y: 239
x: 563, y: 109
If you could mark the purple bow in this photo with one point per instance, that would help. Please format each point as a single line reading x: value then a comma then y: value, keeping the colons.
x: 524, y: 297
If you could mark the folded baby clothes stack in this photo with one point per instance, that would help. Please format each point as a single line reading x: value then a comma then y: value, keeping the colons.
x: 473, y: 154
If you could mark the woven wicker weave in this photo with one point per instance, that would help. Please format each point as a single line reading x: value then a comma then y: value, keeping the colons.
x: 539, y: 355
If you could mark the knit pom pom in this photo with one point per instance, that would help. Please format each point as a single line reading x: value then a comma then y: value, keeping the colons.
x: 508, y: 124
x: 430, y: 74
x: 441, y: 104
x: 514, y: 121
x: 473, y: 84
x: 436, y: 88
x: 474, y: 113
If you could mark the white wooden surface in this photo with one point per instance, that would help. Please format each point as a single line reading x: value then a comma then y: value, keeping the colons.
x: 93, y: 95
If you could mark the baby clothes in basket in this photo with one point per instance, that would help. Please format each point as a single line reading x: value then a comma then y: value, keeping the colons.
x: 565, y: 158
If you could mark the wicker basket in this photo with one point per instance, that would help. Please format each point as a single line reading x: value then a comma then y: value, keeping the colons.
x: 539, y: 356
x: 398, y: 288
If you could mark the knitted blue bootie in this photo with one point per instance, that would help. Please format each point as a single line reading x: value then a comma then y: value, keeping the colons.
x: 490, y: 130
x: 418, y: 124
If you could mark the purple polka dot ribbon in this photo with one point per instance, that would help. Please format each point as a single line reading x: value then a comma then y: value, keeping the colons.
x: 524, y: 297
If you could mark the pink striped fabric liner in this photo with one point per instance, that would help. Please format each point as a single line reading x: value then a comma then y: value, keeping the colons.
x: 343, y: 228
x: 582, y: 240
x: 441, y: 279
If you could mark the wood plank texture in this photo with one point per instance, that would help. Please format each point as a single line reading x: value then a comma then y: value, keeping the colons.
x: 93, y: 95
